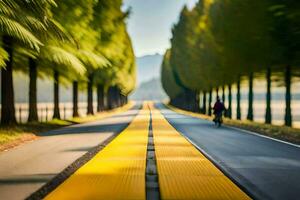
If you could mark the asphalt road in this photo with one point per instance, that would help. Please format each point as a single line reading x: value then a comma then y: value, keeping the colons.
x: 265, y: 168
x: 26, y: 168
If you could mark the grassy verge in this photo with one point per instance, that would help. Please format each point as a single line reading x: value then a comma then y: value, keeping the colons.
x: 11, y: 136
x: 279, y: 132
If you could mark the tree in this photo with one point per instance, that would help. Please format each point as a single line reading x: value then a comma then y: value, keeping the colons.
x: 15, y: 29
x: 218, y: 43
x: 169, y: 84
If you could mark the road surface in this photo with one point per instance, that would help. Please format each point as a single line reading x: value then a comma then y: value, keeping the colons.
x: 26, y: 168
x: 266, y: 168
x: 261, y: 167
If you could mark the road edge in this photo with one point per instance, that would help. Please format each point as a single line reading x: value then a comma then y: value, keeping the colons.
x: 253, y: 194
x: 194, y: 115
x: 51, y: 185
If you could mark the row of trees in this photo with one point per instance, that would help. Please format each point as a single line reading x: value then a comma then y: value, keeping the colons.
x: 83, y: 42
x: 218, y: 43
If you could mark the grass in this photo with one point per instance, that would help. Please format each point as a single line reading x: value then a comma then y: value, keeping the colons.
x: 11, y: 136
x: 285, y: 133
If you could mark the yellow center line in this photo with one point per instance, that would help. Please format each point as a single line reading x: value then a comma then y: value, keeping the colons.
x: 116, y: 172
x: 183, y: 171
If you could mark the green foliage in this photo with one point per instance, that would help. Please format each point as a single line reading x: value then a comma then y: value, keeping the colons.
x: 75, y: 37
x: 219, y: 41
x: 61, y: 57
x: 167, y: 78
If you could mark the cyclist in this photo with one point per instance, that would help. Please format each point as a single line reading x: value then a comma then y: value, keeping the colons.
x: 218, y: 111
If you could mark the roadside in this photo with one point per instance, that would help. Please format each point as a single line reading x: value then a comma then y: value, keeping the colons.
x: 263, y: 167
x: 284, y: 133
x: 56, y: 154
x: 12, y: 136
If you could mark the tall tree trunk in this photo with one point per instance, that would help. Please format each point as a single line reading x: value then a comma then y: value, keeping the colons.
x: 105, y: 99
x: 75, y: 99
x: 288, y: 110
x: 196, y: 101
x: 268, y: 117
x: 223, y: 94
x: 250, y: 98
x: 33, y: 115
x: 7, y: 88
x: 100, y: 98
x: 238, y: 99
x: 229, y: 109
x: 223, y: 99
x: 204, y: 103
x: 118, y: 94
x: 110, y: 98
x: 209, y: 102
x: 217, y: 92
x: 56, y: 113
x: 90, y: 109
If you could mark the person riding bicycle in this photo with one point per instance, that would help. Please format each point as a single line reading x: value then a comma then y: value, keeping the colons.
x: 218, y: 110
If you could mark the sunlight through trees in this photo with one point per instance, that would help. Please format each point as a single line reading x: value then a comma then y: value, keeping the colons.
x: 73, y: 41
x: 219, y: 43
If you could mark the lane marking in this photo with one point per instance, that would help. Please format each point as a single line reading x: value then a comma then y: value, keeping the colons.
x: 183, y: 171
x: 116, y: 172
x: 152, y: 187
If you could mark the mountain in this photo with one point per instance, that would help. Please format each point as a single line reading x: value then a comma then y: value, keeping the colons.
x: 148, y: 67
x: 148, y: 79
x: 150, y: 90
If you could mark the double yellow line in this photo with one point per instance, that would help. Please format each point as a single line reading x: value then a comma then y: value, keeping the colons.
x: 118, y: 171
x: 183, y: 171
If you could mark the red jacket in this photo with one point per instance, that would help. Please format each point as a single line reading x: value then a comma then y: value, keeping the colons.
x: 218, y: 107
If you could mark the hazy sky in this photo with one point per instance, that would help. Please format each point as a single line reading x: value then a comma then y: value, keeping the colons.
x: 151, y: 21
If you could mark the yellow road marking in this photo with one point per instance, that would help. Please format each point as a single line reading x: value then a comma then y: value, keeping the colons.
x: 116, y: 172
x: 184, y: 172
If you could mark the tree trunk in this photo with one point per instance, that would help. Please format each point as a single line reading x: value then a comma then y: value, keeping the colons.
x: 238, y: 100
x: 75, y: 99
x: 229, y: 109
x: 223, y: 94
x: 250, y: 98
x: 209, y: 103
x: 110, y: 98
x: 90, y: 109
x: 118, y: 100
x: 223, y: 99
x: 194, y: 101
x: 33, y: 115
x: 204, y: 103
x: 105, y: 100
x: 217, y: 92
x: 7, y: 89
x: 288, y: 110
x: 56, y: 113
x: 198, y: 108
x: 268, y: 117
x: 100, y: 98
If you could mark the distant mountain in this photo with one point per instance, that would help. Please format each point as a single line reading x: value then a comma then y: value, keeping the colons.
x: 148, y: 79
x: 150, y: 90
x: 148, y: 67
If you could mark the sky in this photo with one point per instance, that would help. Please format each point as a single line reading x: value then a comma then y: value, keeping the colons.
x: 151, y: 22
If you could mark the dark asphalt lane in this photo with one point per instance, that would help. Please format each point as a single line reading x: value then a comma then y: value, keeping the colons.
x: 267, y: 169
x: 26, y: 168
